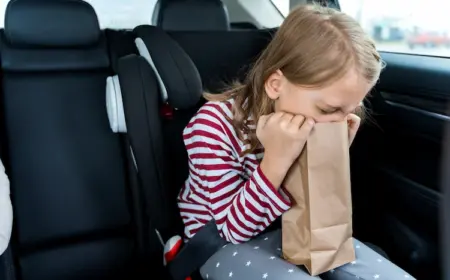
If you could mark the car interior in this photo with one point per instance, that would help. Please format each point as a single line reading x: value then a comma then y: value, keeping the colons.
x: 91, y: 135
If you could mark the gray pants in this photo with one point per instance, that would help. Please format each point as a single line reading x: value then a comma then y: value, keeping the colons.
x: 260, y: 258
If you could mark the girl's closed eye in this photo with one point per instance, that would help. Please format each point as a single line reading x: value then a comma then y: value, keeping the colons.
x: 327, y: 111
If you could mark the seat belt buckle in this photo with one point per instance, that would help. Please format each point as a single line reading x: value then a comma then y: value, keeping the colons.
x: 171, y: 248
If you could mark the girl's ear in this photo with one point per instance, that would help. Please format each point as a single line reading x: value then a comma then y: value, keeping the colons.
x: 273, y: 85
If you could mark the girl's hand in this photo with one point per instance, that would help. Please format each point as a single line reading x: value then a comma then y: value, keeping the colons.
x: 283, y: 137
x: 353, y: 122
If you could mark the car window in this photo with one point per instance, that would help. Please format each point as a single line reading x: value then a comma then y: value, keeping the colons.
x: 282, y: 6
x: 3, y: 5
x: 123, y: 14
x: 404, y: 26
x: 127, y: 14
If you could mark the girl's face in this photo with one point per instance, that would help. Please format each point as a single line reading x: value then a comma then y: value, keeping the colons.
x: 328, y: 104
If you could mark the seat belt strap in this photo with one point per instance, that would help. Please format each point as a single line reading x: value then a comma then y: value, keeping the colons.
x: 196, y: 252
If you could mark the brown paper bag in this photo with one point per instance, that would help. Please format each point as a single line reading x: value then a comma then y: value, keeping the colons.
x: 317, y: 230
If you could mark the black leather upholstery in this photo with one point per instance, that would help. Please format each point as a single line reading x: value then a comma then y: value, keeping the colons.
x: 164, y: 145
x: 140, y: 95
x: 77, y: 23
x: 226, y: 56
x: 177, y: 71
x: 66, y: 168
x: 19, y: 59
x: 191, y: 15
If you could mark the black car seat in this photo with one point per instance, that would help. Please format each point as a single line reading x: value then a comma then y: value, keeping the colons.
x: 144, y: 81
x: 188, y: 15
x: 181, y: 94
x: 67, y: 171
x: 152, y: 99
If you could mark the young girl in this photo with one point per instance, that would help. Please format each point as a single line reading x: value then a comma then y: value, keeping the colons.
x: 318, y: 68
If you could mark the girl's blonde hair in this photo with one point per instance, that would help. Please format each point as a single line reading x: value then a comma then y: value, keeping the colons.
x: 314, y: 47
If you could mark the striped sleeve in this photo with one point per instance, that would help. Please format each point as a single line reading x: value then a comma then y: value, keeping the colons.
x: 241, y: 208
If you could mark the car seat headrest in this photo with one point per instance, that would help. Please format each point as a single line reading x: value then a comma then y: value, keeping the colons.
x: 191, y: 15
x: 177, y: 75
x: 68, y: 23
x: 114, y: 105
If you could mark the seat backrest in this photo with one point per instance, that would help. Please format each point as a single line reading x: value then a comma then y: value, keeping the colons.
x: 191, y: 15
x: 181, y: 93
x: 68, y: 181
x: 223, y: 56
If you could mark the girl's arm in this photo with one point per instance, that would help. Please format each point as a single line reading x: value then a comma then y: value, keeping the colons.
x: 241, y: 208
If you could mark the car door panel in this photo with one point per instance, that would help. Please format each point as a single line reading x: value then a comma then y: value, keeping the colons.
x: 397, y: 159
x: 416, y: 80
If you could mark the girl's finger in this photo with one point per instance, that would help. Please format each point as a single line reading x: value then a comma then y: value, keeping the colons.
x: 298, y: 121
x: 353, y: 122
x: 262, y: 121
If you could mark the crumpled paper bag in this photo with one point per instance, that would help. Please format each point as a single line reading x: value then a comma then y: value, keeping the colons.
x: 317, y: 230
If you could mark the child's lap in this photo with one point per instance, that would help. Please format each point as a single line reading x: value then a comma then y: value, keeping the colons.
x: 261, y: 258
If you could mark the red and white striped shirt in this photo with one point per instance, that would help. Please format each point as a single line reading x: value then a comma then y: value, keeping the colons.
x: 223, y: 185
